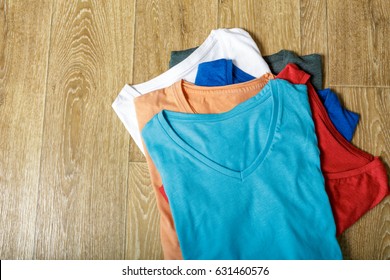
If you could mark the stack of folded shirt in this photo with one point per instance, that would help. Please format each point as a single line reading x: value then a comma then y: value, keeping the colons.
x: 249, y: 157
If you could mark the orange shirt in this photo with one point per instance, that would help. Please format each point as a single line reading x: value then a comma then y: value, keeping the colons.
x: 186, y: 97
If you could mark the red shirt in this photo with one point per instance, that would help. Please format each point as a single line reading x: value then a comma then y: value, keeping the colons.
x: 355, y: 180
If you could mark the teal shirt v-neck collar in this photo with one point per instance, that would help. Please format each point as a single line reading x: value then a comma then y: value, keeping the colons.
x: 165, y: 117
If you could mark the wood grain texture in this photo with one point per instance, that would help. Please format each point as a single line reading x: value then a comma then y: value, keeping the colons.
x: 274, y: 25
x: 359, y: 48
x: 24, y: 48
x: 369, y: 238
x: 163, y: 26
x: 135, y: 154
x: 314, y: 32
x: 143, y: 220
x: 83, y: 186
x: 72, y: 184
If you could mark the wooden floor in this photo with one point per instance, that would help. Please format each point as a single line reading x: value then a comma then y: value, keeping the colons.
x: 73, y: 184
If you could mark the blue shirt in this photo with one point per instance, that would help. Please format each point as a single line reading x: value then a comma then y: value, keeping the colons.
x: 220, y: 72
x: 223, y: 72
x: 246, y: 184
x: 344, y: 120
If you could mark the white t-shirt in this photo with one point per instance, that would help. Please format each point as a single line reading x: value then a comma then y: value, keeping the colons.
x: 235, y: 44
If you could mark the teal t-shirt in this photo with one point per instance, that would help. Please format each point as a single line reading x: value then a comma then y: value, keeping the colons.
x: 246, y: 184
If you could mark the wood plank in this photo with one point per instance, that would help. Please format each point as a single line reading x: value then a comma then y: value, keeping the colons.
x: 359, y: 50
x: 314, y: 32
x: 143, y: 238
x: 83, y: 186
x: 24, y: 50
x: 369, y: 238
x: 274, y: 25
x: 163, y: 26
x: 135, y: 154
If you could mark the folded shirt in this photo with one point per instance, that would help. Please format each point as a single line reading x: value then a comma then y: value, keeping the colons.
x: 264, y: 152
x: 186, y: 97
x: 355, y: 181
